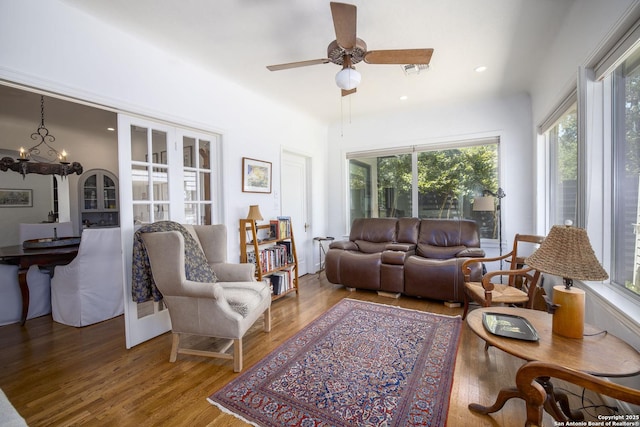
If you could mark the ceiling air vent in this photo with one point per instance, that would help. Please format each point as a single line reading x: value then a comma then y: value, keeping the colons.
x: 410, y: 69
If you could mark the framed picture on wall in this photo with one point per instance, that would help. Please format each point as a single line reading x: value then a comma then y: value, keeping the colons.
x: 256, y: 176
x: 19, y: 198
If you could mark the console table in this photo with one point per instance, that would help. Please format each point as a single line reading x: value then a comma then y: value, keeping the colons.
x: 25, y: 258
x: 600, y: 354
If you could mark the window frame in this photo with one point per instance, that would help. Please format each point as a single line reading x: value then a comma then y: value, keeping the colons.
x: 414, y: 151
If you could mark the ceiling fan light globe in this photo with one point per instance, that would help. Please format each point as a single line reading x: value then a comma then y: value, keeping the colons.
x: 348, y: 78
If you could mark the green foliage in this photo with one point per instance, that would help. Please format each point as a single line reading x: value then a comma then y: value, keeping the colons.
x: 446, y: 174
x: 460, y: 171
x: 568, y: 147
x: 632, y: 124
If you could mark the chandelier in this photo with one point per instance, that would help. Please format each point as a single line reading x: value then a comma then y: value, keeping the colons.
x: 27, y: 163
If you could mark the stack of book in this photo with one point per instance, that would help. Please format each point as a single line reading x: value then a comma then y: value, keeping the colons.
x: 281, y: 227
x: 280, y: 281
x: 273, y: 257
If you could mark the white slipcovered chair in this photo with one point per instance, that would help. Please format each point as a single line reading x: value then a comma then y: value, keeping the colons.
x: 224, y: 309
x: 43, y: 230
x: 89, y: 289
x: 39, y: 282
x: 11, y: 299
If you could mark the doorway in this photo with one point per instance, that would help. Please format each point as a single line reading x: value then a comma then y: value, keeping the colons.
x: 295, y: 184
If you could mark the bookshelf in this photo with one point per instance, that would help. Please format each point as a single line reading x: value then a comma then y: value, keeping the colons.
x: 274, y: 256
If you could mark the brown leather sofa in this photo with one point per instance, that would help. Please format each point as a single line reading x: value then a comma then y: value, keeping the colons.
x: 413, y: 256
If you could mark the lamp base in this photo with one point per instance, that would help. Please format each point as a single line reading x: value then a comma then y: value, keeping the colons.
x: 568, y: 319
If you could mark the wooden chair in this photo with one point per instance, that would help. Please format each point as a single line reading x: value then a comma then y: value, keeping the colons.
x: 535, y: 395
x: 522, y: 281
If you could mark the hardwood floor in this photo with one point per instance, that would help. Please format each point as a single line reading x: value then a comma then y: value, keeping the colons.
x: 56, y: 375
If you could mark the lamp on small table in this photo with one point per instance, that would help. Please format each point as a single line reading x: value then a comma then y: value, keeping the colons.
x: 567, y: 252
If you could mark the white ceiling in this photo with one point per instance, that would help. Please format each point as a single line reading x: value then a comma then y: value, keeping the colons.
x: 239, y: 38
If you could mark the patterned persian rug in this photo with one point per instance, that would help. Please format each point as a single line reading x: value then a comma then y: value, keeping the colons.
x: 358, y: 364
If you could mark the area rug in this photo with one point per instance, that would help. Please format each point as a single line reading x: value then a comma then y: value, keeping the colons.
x: 358, y: 364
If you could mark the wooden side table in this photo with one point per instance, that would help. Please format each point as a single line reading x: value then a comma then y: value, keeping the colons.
x: 598, y: 353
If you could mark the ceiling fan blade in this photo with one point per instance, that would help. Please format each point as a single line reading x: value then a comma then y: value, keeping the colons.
x: 297, y: 64
x: 348, y: 92
x: 344, y: 21
x: 399, y: 56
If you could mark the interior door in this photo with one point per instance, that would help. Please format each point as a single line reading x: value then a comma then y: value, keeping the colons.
x: 145, y: 151
x: 294, y: 189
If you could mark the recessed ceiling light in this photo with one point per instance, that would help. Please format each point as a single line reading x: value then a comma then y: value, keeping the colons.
x: 480, y: 69
x: 111, y: 129
x: 404, y: 98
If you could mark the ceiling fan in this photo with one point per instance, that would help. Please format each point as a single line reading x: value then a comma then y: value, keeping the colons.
x: 347, y: 50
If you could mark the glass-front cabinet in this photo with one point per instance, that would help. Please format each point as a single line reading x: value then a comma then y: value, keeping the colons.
x: 98, y: 199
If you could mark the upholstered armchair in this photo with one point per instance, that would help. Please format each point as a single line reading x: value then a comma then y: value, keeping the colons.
x: 225, y: 309
x: 89, y: 289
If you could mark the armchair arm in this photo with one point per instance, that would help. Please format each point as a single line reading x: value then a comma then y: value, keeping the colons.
x: 534, y: 394
x: 523, y: 272
x: 465, y: 265
x: 201, y: 290
x: 346, y: 245
x: 227, y: 272
x: 471, y: 253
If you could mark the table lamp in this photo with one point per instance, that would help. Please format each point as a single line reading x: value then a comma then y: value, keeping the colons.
x: 254, y: 213
x: 567, y: 252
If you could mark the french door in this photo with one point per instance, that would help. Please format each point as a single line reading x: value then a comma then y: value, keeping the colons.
x: 166, y: 173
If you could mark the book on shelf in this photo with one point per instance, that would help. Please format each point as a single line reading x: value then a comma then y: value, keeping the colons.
x: 273, y: 257
x: 284, y: 227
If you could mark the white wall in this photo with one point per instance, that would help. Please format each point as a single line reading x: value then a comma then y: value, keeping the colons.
x: 584, y: 33
x: 509, y: 118
x: 72, y: 53
x: 42, y: 197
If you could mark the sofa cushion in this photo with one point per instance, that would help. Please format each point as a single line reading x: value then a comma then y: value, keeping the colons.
x: 408, y: 229
x: 375, y: 230
x: 438, y: 252
x: 452, y: 235
x: 371, y: 247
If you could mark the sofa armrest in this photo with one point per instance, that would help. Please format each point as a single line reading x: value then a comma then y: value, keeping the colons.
x: 395, y: 257
x: 345, y: 245
x: 404, y: 247
x: 471, y: 253
x: 228, y: 272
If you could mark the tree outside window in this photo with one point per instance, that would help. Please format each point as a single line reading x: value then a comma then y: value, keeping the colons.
x: 447, y: 182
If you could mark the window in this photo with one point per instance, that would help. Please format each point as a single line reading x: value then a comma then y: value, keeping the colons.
x: 426, y: 182
x: 197, y: 158
x: 626, y: 171
x: 563, y: 144
x: 360, y: 189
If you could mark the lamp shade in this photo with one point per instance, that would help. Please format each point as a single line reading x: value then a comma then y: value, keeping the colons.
x: 484, y: 204
x: 254, y: 213
x: 567, y: 252
x: 348, y: 78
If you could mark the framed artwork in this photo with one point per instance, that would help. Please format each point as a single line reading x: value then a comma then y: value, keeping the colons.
x: 256, y: 176
x: 10, y: 198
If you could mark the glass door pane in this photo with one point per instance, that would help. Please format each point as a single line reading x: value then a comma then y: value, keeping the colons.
x: 149, y: 174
